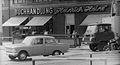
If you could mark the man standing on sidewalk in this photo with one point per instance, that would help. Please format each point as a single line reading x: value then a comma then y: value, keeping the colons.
x: 74, y: 36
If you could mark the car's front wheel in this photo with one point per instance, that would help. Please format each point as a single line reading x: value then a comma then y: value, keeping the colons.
x: 11, y: 57
x: 22, y: 56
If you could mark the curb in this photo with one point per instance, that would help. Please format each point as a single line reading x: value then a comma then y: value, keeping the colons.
x: 80, y: 48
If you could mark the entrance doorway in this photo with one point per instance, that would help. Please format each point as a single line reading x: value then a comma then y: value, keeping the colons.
x: 70, y: 29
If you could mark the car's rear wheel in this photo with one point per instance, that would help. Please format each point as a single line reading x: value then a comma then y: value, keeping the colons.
x: 11, y: 57
x: 22, y: 56
x: 57, y: 52
x: 45, y: 55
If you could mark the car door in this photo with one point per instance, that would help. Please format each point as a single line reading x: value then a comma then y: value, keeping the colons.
x: 38, y: 46
x: 50, y: 45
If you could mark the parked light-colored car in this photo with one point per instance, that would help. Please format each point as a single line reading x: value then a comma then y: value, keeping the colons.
x: 36, y: 45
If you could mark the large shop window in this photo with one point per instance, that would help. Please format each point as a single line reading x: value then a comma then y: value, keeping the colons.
x: 70, y: 23
x: 15, y: 21
x: 41, y: 24
x: 24, y: 26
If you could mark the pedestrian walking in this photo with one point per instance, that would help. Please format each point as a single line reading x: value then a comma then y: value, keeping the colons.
x: 45, y: 32
x: 33, y: 32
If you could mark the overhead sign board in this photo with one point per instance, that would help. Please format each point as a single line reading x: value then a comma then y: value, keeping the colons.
x: 66, y: 9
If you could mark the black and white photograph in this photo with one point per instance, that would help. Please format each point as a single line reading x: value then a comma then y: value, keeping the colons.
x: 59, y: 32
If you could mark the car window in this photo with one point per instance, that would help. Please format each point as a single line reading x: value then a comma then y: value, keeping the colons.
x: 27, y: 41
x: 49, y: 41
x: 38, y: 41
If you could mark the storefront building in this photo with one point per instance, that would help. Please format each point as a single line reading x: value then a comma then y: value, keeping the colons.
x: 27, y: 17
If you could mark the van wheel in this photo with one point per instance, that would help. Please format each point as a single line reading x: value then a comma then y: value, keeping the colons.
x: 11, y: 57
x: 106, y: 48
x: 93, y: 47
x: 115, y: 47
x: 22, y: 56
x: 56, y: 52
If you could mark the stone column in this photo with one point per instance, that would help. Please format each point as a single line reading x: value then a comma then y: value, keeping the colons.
x: 117, y: 16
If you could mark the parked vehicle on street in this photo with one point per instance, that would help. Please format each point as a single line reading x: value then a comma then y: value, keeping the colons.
x: 88, y: 35
x: 99, y: 39
x: 36, y: 45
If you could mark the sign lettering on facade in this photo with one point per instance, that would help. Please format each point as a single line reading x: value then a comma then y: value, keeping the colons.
x: 56, y: 10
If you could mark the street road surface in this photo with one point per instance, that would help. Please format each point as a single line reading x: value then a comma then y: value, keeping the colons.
x: 112, y: 57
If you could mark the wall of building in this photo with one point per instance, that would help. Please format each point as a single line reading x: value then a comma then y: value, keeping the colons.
x: 59, y: 24
x: 118, y: 14
x: 116, y: 17
x: 117, y: 24
x: 1, y: 22
x: 5, y: 16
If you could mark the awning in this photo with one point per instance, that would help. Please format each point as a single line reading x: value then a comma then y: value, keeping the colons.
x: 38, y: 21
x: 93, y: 19
x: 14, y: 21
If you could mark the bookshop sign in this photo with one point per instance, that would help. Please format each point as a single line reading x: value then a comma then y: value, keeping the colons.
x: 56, y: 10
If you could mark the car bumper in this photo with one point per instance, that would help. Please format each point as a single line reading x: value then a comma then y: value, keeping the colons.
x: 12, y: 54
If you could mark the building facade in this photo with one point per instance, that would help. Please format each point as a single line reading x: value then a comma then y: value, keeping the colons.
x: 23, y: 17
x: 0, y: 22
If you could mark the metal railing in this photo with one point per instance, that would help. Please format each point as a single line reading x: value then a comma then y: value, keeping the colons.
x: 85, y: 59
x: 6, y: 39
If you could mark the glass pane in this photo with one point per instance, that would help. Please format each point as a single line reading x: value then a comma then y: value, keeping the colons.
x: 38, y: 41
x: 49, y: 40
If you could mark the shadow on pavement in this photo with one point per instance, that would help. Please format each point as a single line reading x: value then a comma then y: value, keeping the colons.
x: 28, y: 59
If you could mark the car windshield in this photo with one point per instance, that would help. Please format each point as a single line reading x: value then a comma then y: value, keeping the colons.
x: 27, y: 41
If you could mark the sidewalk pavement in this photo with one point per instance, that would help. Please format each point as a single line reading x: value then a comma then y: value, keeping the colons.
x: 77, y: 48
x: 4, y: 44
x: 82, y: 47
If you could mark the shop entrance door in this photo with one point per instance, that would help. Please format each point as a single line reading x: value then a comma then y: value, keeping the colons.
x: 70, y: 29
